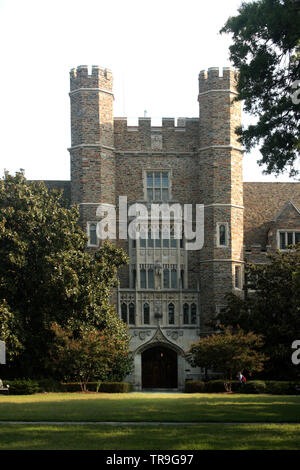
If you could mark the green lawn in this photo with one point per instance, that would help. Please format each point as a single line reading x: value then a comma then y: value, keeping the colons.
x: 197, y: 437
x: 151, y: 407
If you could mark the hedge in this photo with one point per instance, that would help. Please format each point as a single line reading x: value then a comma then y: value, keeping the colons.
x: 252, y: 387
x: 23, y: 386
x: 76, y: 387
x: 115, y: 387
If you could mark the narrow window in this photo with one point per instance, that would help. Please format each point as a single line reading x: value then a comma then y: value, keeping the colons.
x: 297, y: 237
x: 143, y: 278
x: 131, y: 314
x: 171, y: 315
x: 182, y: 278
x: 93, y: 234
x: 237, y: 277
x: 150, y: 278
x: 166, y: 279
x: 174, y: 279
x: 146, y: 314
x: 186, y: 314
x: 193, y: 314
x: 150, y: 240
x: 290, y: 238
x: 222, y: 235
x: 124, y: 312
x: 282, y: 240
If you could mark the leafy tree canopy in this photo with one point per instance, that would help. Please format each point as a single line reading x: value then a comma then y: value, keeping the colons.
x: 272, y: 308
x: 46, y: 275
x: 228, y: 352
x: 266, y: 50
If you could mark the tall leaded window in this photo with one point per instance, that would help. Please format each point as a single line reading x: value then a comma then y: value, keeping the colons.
x: 124, y: 312
x: 171, y: 314
x: 157, y: 185
x: 166, y: 278
x: 131, y: 314
x: 222, y: 235
x: 92, y: 235
x: 174, y: 278
x: 237, y: 277
x: 185, y: 314
x: 150, y: 278
x: 146, y: 314
x: 143, y: 278
x: 193, y: 314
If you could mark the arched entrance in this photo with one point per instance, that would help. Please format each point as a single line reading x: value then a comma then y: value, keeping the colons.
x: 159, y: 368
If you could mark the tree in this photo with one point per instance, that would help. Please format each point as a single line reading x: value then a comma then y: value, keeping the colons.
x: 91, y: 353
x: 266, y: 50
x: 271, y: 308
x: 228, y: 352
x: 46, y: 275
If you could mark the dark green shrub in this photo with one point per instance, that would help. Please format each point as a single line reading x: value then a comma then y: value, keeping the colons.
x: 49, y: 385
x: 76, y: 387
x: 23, y: 387
x: 194, y: 386
x: 254, y: 386
x: 278, y: 388
x: 215, y: 386
x: 115, y: 387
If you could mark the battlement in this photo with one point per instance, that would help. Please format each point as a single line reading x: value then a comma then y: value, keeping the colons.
x: 167, y: 137
x: 182, y: 124
x: 98, y: 78
x: 212, y: 79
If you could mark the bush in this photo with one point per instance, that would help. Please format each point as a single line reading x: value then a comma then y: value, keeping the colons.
x: 254, y: 386
x: 215, y: 386
x: 115, y: 387
x: 76, y: 387
x: 194, y: 386
x: 49, y: 385
x: 23, y: 387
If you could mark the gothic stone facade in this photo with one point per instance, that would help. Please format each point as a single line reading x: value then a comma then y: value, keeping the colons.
x: 167, y: 293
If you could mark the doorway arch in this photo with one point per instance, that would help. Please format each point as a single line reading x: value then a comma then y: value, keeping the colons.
x: 159, y: 367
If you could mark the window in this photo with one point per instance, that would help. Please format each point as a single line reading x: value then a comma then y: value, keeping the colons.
x: 150, y: 278
x: 222, y: 234
x: 166, y: 278
x: 193, y: 314
x: 174, y: 278
x: 146, y: 314
x: 131, y: 314
x: 157, y: 186
x: 143, y: 279
x: 124, y: 312
x: 171, y: 314
x: 93, y: 241
x: 288, y: 238
x: 237, y: 277
x: 133, y: 278
x: 186, y: 309
x: 182, y: 278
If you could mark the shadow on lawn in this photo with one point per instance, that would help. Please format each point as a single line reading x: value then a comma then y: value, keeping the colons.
x: 187, y: 408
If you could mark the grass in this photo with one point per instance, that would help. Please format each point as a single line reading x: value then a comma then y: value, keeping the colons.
x: 151, y: 407
x: 281, y: 412
x: 198, y: 437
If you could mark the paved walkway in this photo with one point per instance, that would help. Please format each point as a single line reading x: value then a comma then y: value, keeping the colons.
x: 136, y: 423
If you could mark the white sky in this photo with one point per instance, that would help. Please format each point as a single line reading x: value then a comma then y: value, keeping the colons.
x: 154, y: 48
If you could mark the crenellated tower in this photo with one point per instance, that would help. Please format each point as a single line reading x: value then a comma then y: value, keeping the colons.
x: 220, y: 189
x: 92, y: 139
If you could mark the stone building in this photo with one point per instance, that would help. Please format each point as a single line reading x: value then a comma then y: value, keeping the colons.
x: 167, y: 292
